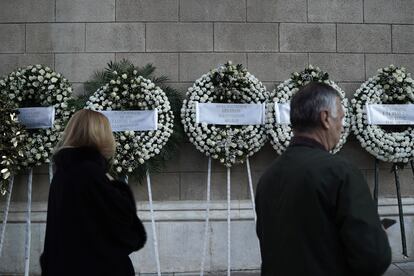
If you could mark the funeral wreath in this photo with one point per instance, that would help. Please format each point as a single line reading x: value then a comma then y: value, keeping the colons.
x: 391, y: 85
x: 123, y: 86
x: 39, y: 86
x: 226, y: 84
x: 281, y: 134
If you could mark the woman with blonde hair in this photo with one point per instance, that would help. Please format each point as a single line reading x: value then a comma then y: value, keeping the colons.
x: 92, y: 225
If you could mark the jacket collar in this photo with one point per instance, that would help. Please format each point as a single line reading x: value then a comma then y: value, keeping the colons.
x: 307, y: 142
x: 67, y: 157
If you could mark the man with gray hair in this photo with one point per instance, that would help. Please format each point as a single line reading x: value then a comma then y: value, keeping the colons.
x: 315, y: 214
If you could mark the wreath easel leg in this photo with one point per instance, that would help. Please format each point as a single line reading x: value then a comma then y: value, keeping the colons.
x: 6, y: 214
x: 50, y: 172
x: 228, y: 223
x: 206, y: 230
x: 400, y: 211
x: 154, y: 230
x: 28, y: 224
x: 249, y: 175
x: 376, y: 184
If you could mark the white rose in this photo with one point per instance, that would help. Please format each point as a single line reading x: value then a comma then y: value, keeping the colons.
x: 6, y: 175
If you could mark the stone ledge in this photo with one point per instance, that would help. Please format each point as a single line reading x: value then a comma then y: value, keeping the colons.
x: 180, y: 230
x: 195, y: 210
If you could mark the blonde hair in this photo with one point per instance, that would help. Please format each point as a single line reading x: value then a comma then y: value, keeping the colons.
x: 91, y: 129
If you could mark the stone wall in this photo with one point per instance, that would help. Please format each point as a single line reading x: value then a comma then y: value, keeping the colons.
x: 350, y: 39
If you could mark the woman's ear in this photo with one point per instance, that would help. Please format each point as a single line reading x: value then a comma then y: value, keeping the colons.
x: 324, y: 116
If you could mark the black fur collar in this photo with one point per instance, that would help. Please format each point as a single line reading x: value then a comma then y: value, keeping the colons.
x: 67, y: 157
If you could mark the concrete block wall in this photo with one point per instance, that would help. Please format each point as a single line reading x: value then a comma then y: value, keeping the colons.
x: 350, y: 39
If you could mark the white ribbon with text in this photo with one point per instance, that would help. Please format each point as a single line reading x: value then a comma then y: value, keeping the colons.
x: 230, y: 114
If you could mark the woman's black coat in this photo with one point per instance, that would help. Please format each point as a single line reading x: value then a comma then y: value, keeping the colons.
x: 92, y: 224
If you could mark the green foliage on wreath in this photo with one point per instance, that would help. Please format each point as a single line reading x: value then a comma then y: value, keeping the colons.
x: 230, y: 82
x: 396, y: 84
x: 310, y: 74
x: 12, y: 135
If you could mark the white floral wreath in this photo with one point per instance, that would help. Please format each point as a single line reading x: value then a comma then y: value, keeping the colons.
x: 133, y: 92
x: 281, y: 134
x: 38, y: 85
x: 392, y: 85
x: 226, y: 84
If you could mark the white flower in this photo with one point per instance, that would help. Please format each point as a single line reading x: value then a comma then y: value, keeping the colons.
x: 6, y: 175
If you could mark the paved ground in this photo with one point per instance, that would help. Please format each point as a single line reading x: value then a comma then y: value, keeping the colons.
x: 401, y: 269
x: 396, y: 269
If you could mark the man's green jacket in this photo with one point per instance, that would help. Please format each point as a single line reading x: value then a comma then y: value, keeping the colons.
x: 316, y: 216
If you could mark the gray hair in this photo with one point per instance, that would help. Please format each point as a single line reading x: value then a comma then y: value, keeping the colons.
x: 307, y: 104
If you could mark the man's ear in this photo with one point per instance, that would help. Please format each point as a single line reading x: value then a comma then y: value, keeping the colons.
x: 324, y: 116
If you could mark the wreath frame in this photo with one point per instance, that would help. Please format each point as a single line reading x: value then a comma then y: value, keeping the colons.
x: 226, y: 84
x: 281, y: 135
x: 124, y: 72
x: 391, y: 85
x: 35, y: 86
